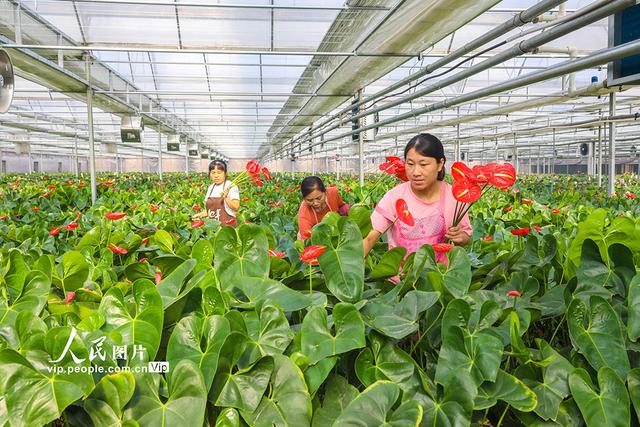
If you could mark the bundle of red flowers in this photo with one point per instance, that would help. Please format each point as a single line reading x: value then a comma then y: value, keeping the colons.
x: 252, y: 171
x: 469, y: 184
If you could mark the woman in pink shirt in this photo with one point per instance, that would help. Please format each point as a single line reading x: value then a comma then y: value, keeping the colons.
x: 429, y: 199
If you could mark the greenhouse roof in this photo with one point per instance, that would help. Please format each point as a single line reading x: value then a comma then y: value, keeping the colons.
x: 250, y: 79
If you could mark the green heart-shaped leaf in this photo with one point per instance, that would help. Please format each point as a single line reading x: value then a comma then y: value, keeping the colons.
x: 317, y: 339
x: 609, y: 407
x: 601, y: 342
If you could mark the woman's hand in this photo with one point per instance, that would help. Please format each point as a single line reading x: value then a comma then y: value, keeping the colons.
x: 224, y: 193
x: 457, y: 236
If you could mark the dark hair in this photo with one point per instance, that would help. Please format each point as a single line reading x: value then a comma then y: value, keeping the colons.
x: 427, y: 145
x: 218, y: 164
x: 311, y: 183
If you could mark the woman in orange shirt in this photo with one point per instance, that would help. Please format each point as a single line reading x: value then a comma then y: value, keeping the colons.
x: 318, y: 201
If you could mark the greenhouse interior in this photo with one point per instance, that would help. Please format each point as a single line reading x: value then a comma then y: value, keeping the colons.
x: 319, y: 213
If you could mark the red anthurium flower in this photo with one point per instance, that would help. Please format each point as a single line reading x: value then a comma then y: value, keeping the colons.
x: 153, y: 208
x: 487, y: 238
x: 196, y: 224
x: 630, y: 195
x: 347, y: 189
x: 482, y: 177
x: 197, y: 185
x: 388, y: 167
x: 266, y: 174
x: 393, y: 159
x: 513, y: 294
x: 508, y: 209
x: 465, y: 191
x: 296, y: 187
x: 70, y: 296
x: 117, y: 249
x: 4, y: 217
x: 35, y: 209
x: 158, y: 277
x: 52, y: 186
x: 257, y: 182
x: 71, y: 226
x: 537, y: 227
x: 402, y: 211
x: 502, y: 175
x: 54, y: 231
x: 245, y: 199
x: 145, y: 240
x: 311, y: 253
x: 461, y: 171
x: 275, y: 253
x: 442, y: 247
x: 521, y: 231
x: 230, y: 221
x: 107, y: 183
x: 555, y: 211
x: 527, y: 201
x: 401, y: 173
x: 270, y: 202
x: 143, y: 259
x: 197, y: 208
x: 115, y: 215
x: 253, y: 167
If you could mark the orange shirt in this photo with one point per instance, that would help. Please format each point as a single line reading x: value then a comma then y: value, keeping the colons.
x: 307, y: 217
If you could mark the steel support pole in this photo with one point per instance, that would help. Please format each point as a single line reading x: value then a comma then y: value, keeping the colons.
x: 313, y: 160
x: 18, y: 23
x: 457, y: 146
x: 75, y: 158
x: 160, y: 155
x: 612, y: 144
x: 516, y: 163
x: 92, y: 154
x: 30, y: 158
x: 552, y: 163
x: 599, y: 165
x: 360, y: 147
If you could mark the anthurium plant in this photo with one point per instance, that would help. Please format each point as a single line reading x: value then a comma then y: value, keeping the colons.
x: 127, y: 313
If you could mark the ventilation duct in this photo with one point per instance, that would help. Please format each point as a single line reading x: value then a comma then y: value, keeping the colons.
x: 6, y: 81
x: 131, y: 129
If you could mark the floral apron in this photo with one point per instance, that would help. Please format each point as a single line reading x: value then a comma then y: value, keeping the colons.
x: 217, y: 211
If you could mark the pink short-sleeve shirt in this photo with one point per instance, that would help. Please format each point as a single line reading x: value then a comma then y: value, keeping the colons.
x: 418, y: 209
